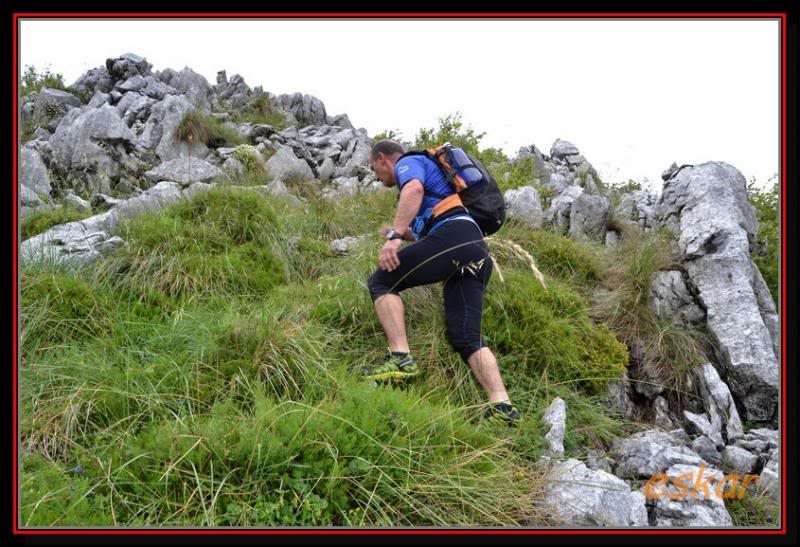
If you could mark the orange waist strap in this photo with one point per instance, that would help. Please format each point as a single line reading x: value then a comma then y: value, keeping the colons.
x: 446, y: 204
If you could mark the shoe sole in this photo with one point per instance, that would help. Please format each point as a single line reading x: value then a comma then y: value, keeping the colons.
x: 393, y: 375
x: 498, y: 420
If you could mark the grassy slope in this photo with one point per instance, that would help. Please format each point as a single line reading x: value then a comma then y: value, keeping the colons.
x: 207, y: 377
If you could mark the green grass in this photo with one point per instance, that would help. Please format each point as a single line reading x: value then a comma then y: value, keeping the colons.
x: 218, y: 242
x: 207, y: 376
x: 261, y: 111
x: 41, y: 220
x: 671, y: 349
x: 767, y: 203
x: 34, y: 80
x: 212, y: 132
x: 548, y: 331
x: 753, y: 510
x: 577, y: 263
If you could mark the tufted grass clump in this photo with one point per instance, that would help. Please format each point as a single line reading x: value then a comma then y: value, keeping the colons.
x: 254, y: 170
x: 574, y: 262
x: 261, y: 111
x: 41, y: 220
x: 207, y: 129
x: 292, y: 356
x: 57, y: 306
x: 218, y: 241
x: 550, y: 330
x: 671, y: 348
x: 753, y: 510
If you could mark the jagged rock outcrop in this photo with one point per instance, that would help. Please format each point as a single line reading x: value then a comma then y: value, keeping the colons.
x: 127, y: 65
x: 526, y: 205
x: 769, y: 480
x: 94, y: 81
x: 34, y: 180
x: 160, y: 133
x: 558, y: 214
x: 638, y: 207
x: 284, y: 164
x: 309, y: 110
x: 185, y: 171
x: 706, y: 207
x: 132, y: 107
x: 579, y: 496
x: 555, y: 417
x: 647, y: 453
x: 679, y: 502
x: 562, y: 149
x: 618, y: 398
x: 588, y: 217
x: 146, y: 86
x: 90, y: 147
x: 670, y: 298
x: 149, y: 109
x: 88, y: 240
x: 662, y: 417
x: 50, y: 106
x: 718, y: 402
x: 193, y: 86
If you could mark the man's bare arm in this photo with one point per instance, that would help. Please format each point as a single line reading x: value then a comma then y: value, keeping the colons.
x: 408, y: 207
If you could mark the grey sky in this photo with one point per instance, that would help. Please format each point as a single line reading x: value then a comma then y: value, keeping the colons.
x: 633, y: 95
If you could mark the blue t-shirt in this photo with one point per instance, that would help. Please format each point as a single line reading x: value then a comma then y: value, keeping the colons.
x: 433, y: 180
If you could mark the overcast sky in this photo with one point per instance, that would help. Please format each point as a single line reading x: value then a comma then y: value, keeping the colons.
x: 633, y: 95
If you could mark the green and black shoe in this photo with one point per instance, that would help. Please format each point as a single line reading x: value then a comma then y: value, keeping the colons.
x: 503, y: 414
x: 395, y: 366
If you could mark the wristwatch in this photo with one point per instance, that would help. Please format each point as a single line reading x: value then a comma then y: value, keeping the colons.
x: 391, y: 234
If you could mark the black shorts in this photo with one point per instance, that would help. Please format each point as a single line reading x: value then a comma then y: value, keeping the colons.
x: 457, y: 255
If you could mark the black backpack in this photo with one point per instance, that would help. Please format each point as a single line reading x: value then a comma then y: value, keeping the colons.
x: 472, y: 182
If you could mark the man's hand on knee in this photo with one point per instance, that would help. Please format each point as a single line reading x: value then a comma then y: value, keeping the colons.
x: 389, y: 260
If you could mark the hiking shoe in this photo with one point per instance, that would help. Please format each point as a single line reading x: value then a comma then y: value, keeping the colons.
x: 396, y: 366
x: 503, y: 414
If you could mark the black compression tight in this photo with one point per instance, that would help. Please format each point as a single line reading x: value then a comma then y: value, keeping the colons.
x: 457, y: 255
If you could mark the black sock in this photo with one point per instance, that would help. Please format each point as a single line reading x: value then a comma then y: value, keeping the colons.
x: 399, y: 353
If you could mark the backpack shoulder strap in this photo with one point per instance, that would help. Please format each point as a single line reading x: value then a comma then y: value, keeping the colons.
x: 428, y: 155
x: 412, y: 153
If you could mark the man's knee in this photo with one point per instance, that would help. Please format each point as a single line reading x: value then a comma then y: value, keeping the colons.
x: 466, y: 345
x: 378, y: 285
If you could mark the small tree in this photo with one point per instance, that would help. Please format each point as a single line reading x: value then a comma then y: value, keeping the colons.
x: 388, y: 134
x: 766, y: 203
x: 451, y: 129
x: 34, y: 81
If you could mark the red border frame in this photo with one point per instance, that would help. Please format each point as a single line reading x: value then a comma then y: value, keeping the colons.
x: 401, y: 15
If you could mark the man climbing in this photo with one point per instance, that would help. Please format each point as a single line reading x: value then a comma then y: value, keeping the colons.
x: 452, y: 250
